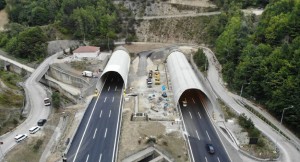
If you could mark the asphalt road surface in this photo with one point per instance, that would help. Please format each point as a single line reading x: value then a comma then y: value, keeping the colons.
x: 97, y: 136
x: 200, y: 132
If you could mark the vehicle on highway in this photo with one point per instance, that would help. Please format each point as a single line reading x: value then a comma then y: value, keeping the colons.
x: 41, y: 122
x: 34, y: 129
x: 184, y: 103
x: 47, y: 102
x: 20, y: 137
x: 210, y: 148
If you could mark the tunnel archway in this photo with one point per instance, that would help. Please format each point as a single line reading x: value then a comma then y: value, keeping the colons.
x: 117, y: 66
x: 184, y: 81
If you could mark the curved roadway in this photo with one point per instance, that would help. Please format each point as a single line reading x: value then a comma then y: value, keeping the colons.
x: 36, y: 94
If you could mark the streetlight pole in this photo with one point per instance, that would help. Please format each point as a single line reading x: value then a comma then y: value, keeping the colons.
x: 242, y: 89
x: 290, y: 107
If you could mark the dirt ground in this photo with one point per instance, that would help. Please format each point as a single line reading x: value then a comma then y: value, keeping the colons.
x: 3, y: 19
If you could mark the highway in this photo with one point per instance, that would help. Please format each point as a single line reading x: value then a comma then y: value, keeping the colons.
x: 96, y: 139
x: 200, y: 131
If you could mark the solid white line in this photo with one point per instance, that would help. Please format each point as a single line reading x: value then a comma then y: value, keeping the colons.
x: 218, y: 159
x: 193, y: 100
x: 115, y: 145
x: 95, y: 133
x: 105, y: 133
x: 191, y: 115
x: 208, y: 135
x: 199, y: 115
x: 116, y: 88
x: 108, y: 88
x: 86, y: 128
x: 205, y: 159
x: 109, y: 113
x: 113, y: 99
x: 100, y: 114
x: 197, y: 134
x: 100, y: 157
x: 105, y: 99
x: 189, y: 144
x: 87, y: 158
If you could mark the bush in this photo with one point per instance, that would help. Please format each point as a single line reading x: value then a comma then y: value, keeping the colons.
x: 37, y: 145
x: 200, y: 59
x: 245, y: 122
x: 56, y: 98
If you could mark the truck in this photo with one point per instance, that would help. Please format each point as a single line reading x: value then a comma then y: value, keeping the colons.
x: 87, y: 73
x: 47, y: 102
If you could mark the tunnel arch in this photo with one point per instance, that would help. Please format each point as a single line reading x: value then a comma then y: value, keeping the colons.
x: 183, y: 78
x: 119, y: 63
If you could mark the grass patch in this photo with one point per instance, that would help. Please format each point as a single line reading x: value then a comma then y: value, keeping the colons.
x: 79, y: 65
x: 10, y: 79
x: 265, y: 120
x: 228, y: 113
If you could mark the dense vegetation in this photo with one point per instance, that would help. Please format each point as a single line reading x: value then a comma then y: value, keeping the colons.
x: 243, y: 3
x: 34, y: 22
x: 263, y: 57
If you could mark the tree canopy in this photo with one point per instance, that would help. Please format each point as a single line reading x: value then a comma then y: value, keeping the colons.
x: 266, y: 57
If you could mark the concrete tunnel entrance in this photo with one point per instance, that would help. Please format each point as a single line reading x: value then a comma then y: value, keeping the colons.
x: 190, y: 95
x: 116, y: 68
x: 184, y: 82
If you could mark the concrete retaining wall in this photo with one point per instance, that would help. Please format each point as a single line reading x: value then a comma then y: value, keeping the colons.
x: 65, y: 77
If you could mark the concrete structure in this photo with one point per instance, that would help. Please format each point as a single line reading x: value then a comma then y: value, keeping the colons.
x: 86, y: 52
x: 182, y: 76
x: 119, y: 63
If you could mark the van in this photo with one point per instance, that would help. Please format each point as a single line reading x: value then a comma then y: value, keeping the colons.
x: 20, y: 137
x: 41, y: 122
x: 87, y: 73
x: 34, y: 129
x: 184, y: 103
x: 47, y: 102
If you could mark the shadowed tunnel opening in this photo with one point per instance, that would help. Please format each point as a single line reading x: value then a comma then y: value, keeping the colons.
x: 111, y: 77
x: 193, y: 95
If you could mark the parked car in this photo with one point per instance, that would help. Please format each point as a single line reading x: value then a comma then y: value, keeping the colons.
x: 34, y: 129
x: 41, y: 122
x: 20, y: 137
x: 164, y: 94
x: 210, y: 148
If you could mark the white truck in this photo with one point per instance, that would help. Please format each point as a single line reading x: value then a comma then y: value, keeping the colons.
x: 87, y: 73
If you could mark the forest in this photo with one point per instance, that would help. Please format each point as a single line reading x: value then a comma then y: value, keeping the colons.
x: 262, y: 56
x: 34, y: 21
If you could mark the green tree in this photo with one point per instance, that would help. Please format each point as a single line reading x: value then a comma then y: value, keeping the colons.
x: 2, y: 4
x: 56, y: 99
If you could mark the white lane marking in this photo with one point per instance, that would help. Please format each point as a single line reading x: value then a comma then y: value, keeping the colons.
x: 116, y: 88
x: 95, y: 133
x: 109, y: 113
x: 197, y: 135
x: 86, y: 127
x: 118, y: 130
x: 193, y: 100
x: 87, y: 158
x: 100, y: 157
x: 191, y: 115
x: 199, y: 115
x: 105, y: 99
x: 105, y: 133
x: 100, y: 114
x: 113, y: 99
x: 205, y: 159
x: 208, y: 135
x: 218, y: 159
x: 108, y: 88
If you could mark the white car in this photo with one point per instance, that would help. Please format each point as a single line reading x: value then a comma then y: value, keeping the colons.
x: 20, y: 137
x: 34, y: 129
